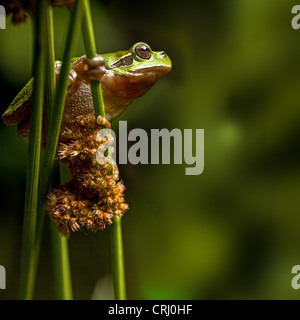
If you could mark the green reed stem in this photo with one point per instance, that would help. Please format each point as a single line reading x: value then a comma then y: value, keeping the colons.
x: 118, y: 271
x: 56, y: 116
x: 28, y: 270
x: 54, y: 129
x: 34, y: 224
x: 60, y: 251
x: 60, y: 97
x: 61, y: 265
x: 61, y: 262
x: 50, y: 70
x: 90, y: 47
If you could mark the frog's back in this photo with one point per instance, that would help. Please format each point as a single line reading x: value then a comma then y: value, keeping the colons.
x: 19, y: 109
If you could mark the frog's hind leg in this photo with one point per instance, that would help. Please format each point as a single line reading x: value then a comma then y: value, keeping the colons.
x: 20, y: 107
x: 19, y: 114
x: 24, y: 130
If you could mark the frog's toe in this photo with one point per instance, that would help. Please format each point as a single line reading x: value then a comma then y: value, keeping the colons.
x: 95, y: 69
x: 95, y: 74
x: 95, y: 62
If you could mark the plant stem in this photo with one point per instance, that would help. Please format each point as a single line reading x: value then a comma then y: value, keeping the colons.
x: 60, y: 252
x: 60, y: 97
x: 56, y: 117
x: 35, y: 199
x: 34, y: 149
x: 118, y: 269
x: 117, y: 244
x: 61, y: 265
x: 50, y: 71
x: 53, y: 134
x: 90, y: 47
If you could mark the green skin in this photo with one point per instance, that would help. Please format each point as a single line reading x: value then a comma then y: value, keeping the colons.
x: 124, y: 76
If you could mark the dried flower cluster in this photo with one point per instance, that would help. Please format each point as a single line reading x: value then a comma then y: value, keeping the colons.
x: 93, y: 196
x: 18, y: 8
x: 21, y: 8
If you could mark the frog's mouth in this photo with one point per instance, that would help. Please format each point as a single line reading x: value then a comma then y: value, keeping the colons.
x: 158, y: 71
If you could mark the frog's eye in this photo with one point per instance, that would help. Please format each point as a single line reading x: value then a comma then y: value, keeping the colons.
x: 143, y: 51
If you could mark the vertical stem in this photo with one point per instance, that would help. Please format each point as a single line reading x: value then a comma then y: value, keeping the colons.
x: 90, y: 47
x: 117, y: 244
x: 56, y: 116
x: 62, y: 270
x: 118, y: 269
x: 60, y: 97
x: 61, y: 265
x: 60, y: 252
x: 34, y: 149
x: 35, y: 197
x: 50, y: 71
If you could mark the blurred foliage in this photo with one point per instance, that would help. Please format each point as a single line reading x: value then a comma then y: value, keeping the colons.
x: 230, y: 233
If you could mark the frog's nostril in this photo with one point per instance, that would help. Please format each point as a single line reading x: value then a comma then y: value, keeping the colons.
x: 163, y: 54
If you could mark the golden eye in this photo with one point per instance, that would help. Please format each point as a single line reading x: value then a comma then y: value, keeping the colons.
x: 143, y: 51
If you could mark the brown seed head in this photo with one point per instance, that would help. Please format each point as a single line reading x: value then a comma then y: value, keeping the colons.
x: 93, y: 196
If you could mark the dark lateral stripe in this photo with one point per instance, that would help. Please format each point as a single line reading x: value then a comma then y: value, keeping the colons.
x: 126, y: 61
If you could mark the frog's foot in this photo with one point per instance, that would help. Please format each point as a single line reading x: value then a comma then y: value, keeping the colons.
x: 93, y: 69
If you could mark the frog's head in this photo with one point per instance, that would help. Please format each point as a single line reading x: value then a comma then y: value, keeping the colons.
x: 131, y: 73
x: 139, y: 61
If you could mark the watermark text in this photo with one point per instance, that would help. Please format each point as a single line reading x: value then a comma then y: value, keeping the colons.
x: 2, y: 18
x: 2, y: 277
x: 296, y: 19
x: 160, y: 146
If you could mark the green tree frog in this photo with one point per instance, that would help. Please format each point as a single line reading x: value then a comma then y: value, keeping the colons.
x: 124, y: 76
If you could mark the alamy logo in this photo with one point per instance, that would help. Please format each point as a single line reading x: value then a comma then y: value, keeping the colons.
x: 295, y: 280
x: 2, y: 18
x: 2, y: 278
x: 295, y: 21
x: 159, y: 145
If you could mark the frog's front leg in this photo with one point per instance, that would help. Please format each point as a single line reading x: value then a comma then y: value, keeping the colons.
x: 84, y: 71
x: 89, y: 69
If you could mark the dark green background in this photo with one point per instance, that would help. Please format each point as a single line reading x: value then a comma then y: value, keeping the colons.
x: 232, y: 232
